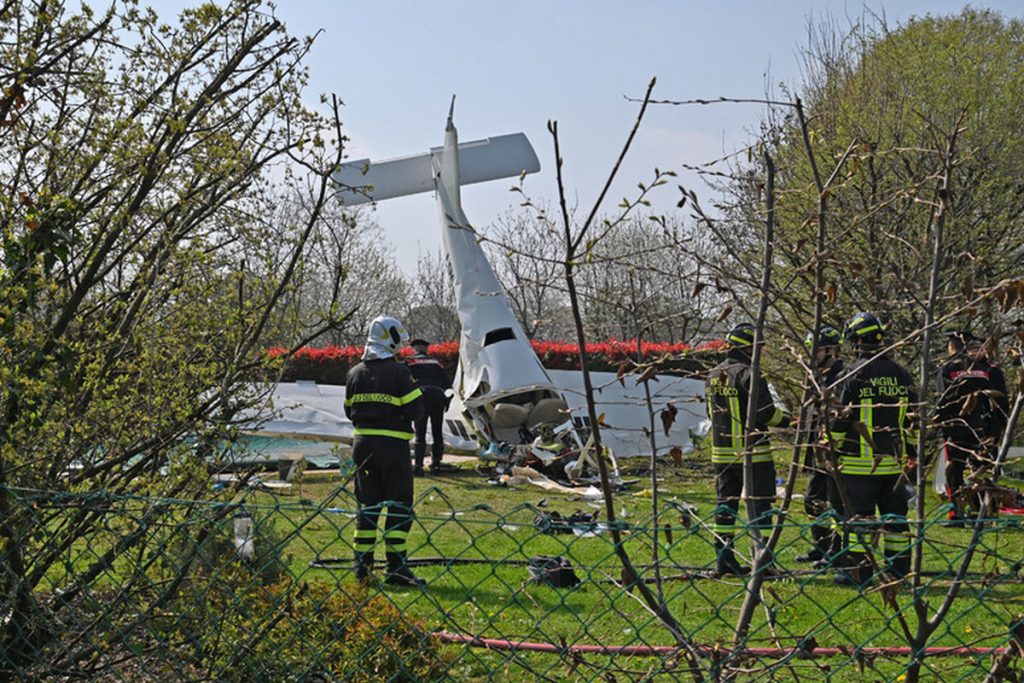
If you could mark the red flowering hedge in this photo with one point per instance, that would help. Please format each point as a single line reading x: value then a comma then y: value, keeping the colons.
x: 330, y: 364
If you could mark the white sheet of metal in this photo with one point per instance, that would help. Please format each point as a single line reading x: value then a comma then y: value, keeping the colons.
x: 304, y: 409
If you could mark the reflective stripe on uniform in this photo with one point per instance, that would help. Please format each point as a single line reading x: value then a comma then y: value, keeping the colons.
x: 909, y: 434
x: 859, y: 535
x: 395, y: 540
x: 863, y: 463
x: 365, y: 539
x: 393, y: 433
x: 727, y: 455
x: 852, y: 464
x: 384, y: 398
x: 736, y: 425
x: 867, y: 418
x: 894, y: 543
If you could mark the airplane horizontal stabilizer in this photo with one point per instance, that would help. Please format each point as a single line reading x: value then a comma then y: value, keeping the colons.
x: 503, y: 156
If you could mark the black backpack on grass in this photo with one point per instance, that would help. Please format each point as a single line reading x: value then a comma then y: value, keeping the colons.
x: 554, y: 571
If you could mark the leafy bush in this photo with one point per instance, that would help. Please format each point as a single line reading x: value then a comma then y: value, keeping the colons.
x: 314, y: 630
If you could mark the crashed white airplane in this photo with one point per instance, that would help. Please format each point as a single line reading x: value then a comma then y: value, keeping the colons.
x: 502, y: 392
x: 500, y: 381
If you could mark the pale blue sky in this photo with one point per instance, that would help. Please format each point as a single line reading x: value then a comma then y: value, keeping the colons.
x: 516, y: 64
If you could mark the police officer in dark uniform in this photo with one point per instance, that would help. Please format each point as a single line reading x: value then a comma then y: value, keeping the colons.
x: 876, y: 439
x: 727, y: 390
x: 972, y: 410
x: 382, y: 400
x: 821, y: 490
x: 432, y: 380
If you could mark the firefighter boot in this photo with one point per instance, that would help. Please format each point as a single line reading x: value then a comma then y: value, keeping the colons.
x: 898, y: 564
x: 399, y: 573
x: 853, y: 570
x: 363, y: 567
x: 821, y: 538
x: 833, y: 552
x: 727, y: 563
x: 436, y: 454
x: 419, y: 451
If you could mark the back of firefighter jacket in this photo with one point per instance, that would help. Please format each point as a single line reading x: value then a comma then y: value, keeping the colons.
x: 874, y: 428
x: 382, y: 399
x: 727, y: 392
x: 972, y: 400
x: 428, y: 372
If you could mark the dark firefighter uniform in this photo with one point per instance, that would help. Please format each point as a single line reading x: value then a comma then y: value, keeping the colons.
x: 432, y: 380
x: 727, y: 391
x: 382, y: 400
x: 876, y: 440
x: 822, y: 495
x: 972, y: 410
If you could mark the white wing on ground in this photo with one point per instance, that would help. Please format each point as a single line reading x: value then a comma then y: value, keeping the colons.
x: 315, y: 411
x: 626, y: 413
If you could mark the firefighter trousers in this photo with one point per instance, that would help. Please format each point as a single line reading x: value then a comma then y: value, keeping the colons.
x: 383, y: 479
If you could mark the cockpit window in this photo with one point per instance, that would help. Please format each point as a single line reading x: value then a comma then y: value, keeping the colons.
x: 500, y: 334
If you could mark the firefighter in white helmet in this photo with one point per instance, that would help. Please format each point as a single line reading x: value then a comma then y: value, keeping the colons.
x: 382, y: 400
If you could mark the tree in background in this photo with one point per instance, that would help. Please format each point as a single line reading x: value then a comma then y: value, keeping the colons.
x: 523, y: 248
x: 432, y: 313
x: 139, y: 283
x: 642, y: 252
x: 639, y: 282
x: 348, y: 278
x: 898, y: 96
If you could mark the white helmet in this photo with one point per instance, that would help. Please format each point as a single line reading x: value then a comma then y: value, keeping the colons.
x: 385, y: 338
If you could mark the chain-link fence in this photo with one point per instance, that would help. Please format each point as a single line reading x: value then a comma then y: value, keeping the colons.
x: 107, y: 587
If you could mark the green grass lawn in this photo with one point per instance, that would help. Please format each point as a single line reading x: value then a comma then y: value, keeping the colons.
x: 463, y: 517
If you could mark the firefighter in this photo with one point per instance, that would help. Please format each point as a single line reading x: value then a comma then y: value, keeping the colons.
x: 432, y: 380
x: 382, y: 400
x: 727, y: 391
x: 821, y: 490
x: 972, y: 410
x: 876, y: 440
